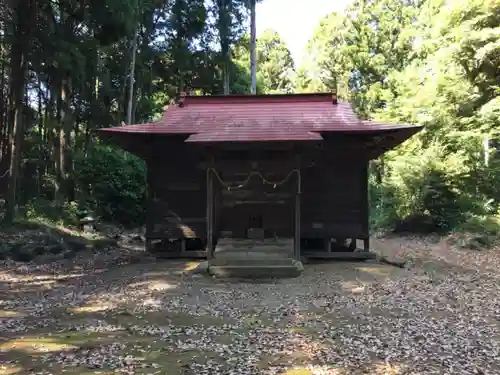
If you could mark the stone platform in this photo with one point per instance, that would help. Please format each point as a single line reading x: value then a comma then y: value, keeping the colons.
x: 252, y: 258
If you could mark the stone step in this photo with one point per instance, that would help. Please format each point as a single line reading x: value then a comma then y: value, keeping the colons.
x: 255, y: 246
x: 252, y: 254
x: 262, y: 249
x: 263, y: 246
x: 252, y: 262
x: 233, y: 242
x: 285, y: 251
x: 256, y: 272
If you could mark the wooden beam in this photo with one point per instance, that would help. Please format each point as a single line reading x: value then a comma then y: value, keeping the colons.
x: 209, y: 214
x: 366, y: 244
x: 297, y: 210
x: 297, y: 227
x: 149, y: 206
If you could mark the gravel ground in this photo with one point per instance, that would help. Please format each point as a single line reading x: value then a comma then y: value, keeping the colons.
x: 101, y: 314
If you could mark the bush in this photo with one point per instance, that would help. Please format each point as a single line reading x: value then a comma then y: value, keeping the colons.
x: 489, y: 225
x: 441, y: 201
x: 422, y: 192
x: 111, y: 184
x: 66, y: 213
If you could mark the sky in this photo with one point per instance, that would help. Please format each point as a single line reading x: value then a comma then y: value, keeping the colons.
x: 295, y: 20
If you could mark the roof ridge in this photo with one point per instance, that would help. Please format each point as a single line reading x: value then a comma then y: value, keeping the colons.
x: 261, y: 98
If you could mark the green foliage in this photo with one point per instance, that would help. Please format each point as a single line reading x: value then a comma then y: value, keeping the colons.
x: 417, y: 193
x: 45, y: 210
x: 478, y: 232
x: 432, y: 63
x: 275, y: 66
x: 111, y: 184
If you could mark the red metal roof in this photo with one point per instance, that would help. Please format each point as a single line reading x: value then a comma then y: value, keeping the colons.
x: 256, y: 118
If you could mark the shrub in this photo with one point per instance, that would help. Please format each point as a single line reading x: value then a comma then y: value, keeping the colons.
x: 111, y: 184
x: 421, y: 192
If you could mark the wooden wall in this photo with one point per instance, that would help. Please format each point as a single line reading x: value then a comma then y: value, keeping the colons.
x: 177, y: 187
x: 333, y: 197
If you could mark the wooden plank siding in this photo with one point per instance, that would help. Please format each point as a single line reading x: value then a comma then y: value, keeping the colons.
x: 333, y: 199
x: 177, y: 205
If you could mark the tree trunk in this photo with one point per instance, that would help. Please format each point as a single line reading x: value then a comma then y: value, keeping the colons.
x: 225, y: 73
x: 23, y: 20
x: 2, y: 106
x: 253, y: 47
x: 56, y: 139
x: 65, y: 163
x: 41, y: 131
x: 49, y: 122
x: 224, y: 33
x: 4, y: 136
x: 94, y: 121
x: 131, y: 81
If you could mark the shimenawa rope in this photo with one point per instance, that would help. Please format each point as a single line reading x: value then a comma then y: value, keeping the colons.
x: 264, y: 180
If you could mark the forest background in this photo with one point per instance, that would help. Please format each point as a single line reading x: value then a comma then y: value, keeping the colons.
x: 69, y: 67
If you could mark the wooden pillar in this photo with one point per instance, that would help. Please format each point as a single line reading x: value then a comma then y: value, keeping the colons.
x: 210, y: 215
x: 366, y: 207
x: 182, y: 249
x: 297, y: 226
x: 366, y: 244
x: 297, y: 216
x: 149, y: 208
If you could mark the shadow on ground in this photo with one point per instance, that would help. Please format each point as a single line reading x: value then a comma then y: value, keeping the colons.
x: 102, y: 312
x: 150, y: 318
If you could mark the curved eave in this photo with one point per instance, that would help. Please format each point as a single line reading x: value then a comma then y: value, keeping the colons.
x: 149, y: 128
x: 373, y: 139
x: 367, y: 127
x: 382, y: 140
x: 137, y: 141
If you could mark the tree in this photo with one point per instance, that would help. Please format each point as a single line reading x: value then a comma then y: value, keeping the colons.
x: 24, y: 13
x: 274, y: 67
x: 354, y: 52
x: 433, y: 63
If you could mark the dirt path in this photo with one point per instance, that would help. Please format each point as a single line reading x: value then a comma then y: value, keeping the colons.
x: 103, y: 316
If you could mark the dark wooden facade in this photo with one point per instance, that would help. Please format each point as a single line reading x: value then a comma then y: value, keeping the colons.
x: 331, y: 188
x: 312, y: 190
